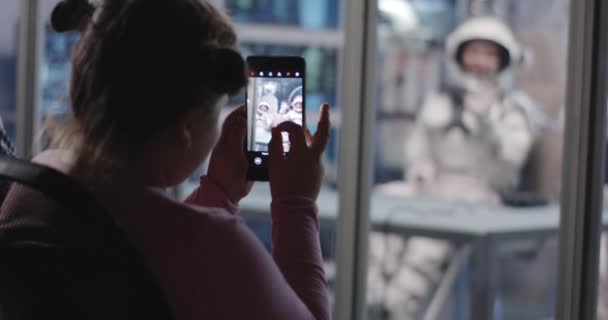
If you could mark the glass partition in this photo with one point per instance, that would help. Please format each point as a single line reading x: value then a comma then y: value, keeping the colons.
x: 467, y: 144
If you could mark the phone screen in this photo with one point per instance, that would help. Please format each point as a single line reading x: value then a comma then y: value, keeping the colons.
x: 275, y: 94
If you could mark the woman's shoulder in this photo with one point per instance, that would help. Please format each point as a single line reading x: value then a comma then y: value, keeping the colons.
x: 146, y: 211
x: 148, y: 205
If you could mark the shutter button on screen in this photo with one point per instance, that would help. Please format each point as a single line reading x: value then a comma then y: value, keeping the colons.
x: 257, y: 161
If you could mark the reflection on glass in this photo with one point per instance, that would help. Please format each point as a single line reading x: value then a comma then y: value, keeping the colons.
x: 466, y: 143
x: 309, y: 14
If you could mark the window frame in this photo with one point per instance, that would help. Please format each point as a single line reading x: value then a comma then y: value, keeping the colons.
x: 355, y: 157
x: 29, y: 61
x: 584, y: 152
x: 581, y: 203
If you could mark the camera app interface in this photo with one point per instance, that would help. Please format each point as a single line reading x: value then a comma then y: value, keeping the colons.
x: 272, y: 99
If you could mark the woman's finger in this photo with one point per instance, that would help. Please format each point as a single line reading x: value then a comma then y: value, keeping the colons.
x: 275, y: 149
x: 321, y: 137
x: 308, y: 137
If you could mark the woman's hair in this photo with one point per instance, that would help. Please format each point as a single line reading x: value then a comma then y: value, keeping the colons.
x: 141, y: 65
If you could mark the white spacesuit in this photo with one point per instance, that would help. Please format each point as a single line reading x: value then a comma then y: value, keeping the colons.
x: 265, y: 117
x: 470, y: 141
x: 473, y: 136
x: 295, y: 111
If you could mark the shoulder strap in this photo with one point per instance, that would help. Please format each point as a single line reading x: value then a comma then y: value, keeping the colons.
x: 456, y: 96
x: 79, y: 202
x: 50, y: 182
x: 99, y: 234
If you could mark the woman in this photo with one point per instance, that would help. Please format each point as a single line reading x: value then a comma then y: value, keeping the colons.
x: 149, y: 80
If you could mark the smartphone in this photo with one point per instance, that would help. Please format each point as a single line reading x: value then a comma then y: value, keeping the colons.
x: 275, y: 94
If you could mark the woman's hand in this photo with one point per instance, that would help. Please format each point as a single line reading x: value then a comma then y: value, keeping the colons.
x: 228, y: 163
x: 298, y: 174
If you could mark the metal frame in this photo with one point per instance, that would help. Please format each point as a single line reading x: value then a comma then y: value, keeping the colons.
x: 355, y: 157
x: 447, y: 285
x: 289, y: 35
x: 582, y: 183
x: 28, y: 70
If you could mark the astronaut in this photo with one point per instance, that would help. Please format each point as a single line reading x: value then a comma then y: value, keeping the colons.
x: 471, y: 139
x: 473, y: 136
x: 295, y: 110
x: 265, y: 117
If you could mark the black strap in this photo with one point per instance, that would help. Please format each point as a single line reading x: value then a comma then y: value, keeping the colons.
x: 52, y: 183
x: 98, y: 235
x: 84, y: 208
x: 457, y: 99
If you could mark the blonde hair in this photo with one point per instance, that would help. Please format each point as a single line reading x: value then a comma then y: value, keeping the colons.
x: 139, y: 66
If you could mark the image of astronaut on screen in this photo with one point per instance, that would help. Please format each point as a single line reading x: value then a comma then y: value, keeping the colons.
x: 272, y: 101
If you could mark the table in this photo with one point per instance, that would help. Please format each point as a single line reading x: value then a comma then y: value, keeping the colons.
x: 480, y: 226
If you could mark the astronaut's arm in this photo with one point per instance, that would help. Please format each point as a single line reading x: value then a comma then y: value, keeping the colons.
x: 420, y: 166
x: 514, y: 136
x: 420, y: 160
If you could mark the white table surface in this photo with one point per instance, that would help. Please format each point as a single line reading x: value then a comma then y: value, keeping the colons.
x: 429, y: 215
x: 421, y: 215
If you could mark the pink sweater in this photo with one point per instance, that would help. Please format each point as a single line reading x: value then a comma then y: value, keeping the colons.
x: 210, y: 265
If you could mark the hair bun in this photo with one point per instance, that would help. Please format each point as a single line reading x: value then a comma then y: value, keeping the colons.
x: 229, y: 71
x: 71, y: 15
